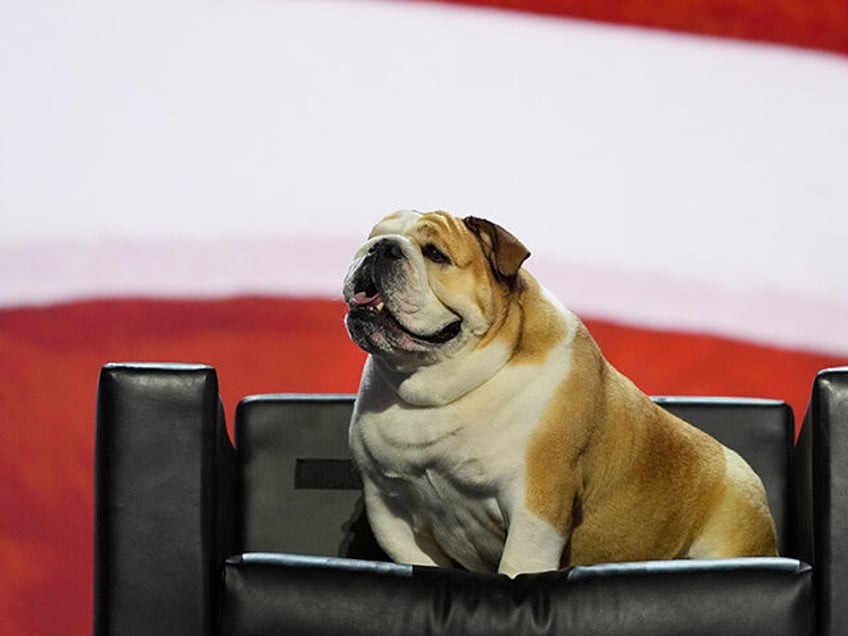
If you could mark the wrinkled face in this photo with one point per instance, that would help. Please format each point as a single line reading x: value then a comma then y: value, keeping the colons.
x: 421, y: 288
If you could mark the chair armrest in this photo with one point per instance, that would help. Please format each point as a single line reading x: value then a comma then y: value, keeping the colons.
x: 821, y: 501
x: 163, y: 492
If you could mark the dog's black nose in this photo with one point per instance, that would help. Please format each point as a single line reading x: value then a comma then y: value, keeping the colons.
x: 387, y: 248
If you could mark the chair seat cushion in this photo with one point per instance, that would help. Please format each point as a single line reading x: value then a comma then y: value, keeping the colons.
x: 298, y: 595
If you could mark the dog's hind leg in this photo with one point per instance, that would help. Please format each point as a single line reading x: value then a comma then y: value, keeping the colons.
x: 740, y: 524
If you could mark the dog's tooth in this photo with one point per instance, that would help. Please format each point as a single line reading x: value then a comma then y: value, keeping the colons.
x: 380, y: 306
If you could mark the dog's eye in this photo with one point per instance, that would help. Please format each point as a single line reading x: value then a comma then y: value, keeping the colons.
x: 433, y: 253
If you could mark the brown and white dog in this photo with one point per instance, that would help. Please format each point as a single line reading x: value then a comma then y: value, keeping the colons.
x: 489, y: 430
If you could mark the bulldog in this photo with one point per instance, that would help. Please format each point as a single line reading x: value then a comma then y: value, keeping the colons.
x: 490, y: 432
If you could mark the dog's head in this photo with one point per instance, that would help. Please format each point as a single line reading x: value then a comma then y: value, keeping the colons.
x: 425, y: 286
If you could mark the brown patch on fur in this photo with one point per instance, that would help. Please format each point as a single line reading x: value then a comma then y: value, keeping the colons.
x: 554, y: 480
x: 645, y: 482
x: 655, y: 486
x: 742, y: 498
x: 504, y: 251
x: 543, y: 326
x: 493, y: 257
x: 500, y: 303
x: 437, y: 224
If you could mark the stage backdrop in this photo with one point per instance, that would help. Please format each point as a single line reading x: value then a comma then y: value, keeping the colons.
x: 186, y: 180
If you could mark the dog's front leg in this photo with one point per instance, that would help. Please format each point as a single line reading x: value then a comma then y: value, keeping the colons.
x: 532, y: 545
x: 394, y: 531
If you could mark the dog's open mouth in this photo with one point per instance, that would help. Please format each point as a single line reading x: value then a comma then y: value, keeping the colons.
x: 368, y: 303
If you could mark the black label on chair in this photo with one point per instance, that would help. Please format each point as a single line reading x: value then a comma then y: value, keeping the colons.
x: 325, y: 474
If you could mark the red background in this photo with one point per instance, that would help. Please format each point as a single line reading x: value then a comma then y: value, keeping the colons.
x: 48, y: 378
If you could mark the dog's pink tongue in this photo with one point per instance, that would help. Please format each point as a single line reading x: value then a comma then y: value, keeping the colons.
x: 361, y: 298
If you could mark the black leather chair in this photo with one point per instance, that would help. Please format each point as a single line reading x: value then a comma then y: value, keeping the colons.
x: 196, y: 537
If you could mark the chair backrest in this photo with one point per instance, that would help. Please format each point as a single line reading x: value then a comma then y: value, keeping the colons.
x: 300, y: 493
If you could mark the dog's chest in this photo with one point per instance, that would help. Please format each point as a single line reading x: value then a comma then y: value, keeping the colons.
x: 456, y: 476
x: 456, y: 472
x: 431, y: 452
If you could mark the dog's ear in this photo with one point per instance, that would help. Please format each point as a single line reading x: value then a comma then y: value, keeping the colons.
x: 504, y: 252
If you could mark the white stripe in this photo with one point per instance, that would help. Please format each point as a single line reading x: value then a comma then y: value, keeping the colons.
x: 51, y: 272
x: 61, y: 271
x: 172, y: 131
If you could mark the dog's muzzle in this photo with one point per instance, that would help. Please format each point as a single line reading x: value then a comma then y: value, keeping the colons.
x: 369, y: 297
